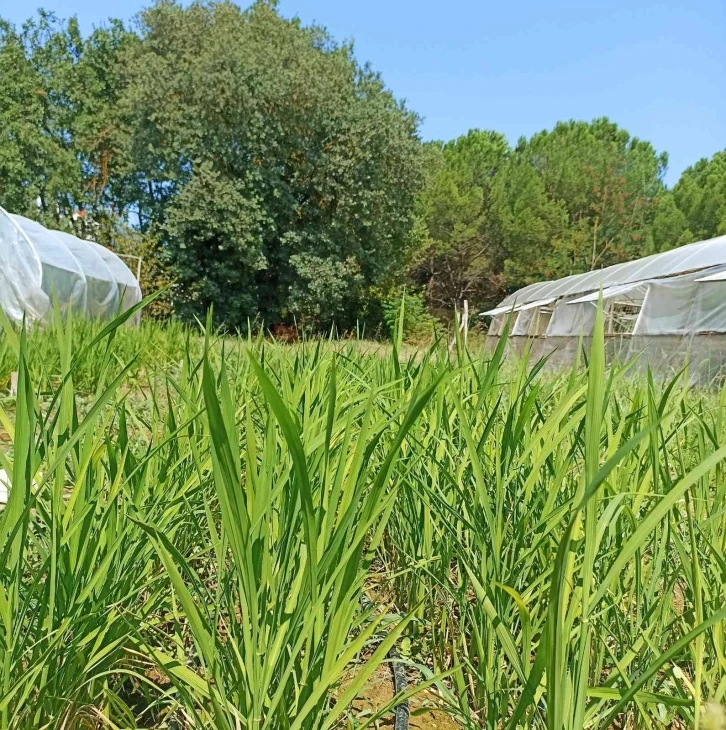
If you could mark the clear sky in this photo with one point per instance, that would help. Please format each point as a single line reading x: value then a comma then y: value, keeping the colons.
x: 657, y: 68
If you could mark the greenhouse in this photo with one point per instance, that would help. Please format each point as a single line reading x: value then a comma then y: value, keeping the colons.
x: 39, y: 266
x: 668, y: 304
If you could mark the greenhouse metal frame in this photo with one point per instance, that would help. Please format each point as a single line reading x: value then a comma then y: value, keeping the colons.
x: 40, y: 266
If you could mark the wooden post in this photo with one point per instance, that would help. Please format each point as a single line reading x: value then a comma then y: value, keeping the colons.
x: 457, y: 328
x: 138, y: 261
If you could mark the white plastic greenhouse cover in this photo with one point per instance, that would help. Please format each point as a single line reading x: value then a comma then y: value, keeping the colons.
x: 718, y: 276
x: 678, y: 292
x: 537, y: 303
x: 693, y: 257
x: 499, y: 310
x: 518, y: 308
x: 38, y: 265
x: 609, y: 293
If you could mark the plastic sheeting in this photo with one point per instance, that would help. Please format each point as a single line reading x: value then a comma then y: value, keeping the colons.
x: 718, y: 276
x: 523, y: 322
x: 575, y: 316
x: 39, y: 266
x: 518, y: 308
x: 62, y: 275
x: 20, y: 274
x: 701, y: 356
x: 498, y: 311
x: 682, y: 305
x: 693, y: 257
x: 533, y: 318
x: 534, y: 305
x: 102, y: 292
x: 571, y: 320
x: 677, y: 292
x: 613, y: 291
x: 496, y: 326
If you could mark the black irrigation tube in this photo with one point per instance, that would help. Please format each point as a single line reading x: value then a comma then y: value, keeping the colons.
x: 401, y: 711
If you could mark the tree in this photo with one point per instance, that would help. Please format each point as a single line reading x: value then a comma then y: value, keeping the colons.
x: 670, y: 227
x: 458, y: 258
x: 270, y: 161
x: 34, y: 168
x: 700, y: 195
x: 581, y: 196
x: 215, y: 228
x: 58, y: 114
x: 578, y: 197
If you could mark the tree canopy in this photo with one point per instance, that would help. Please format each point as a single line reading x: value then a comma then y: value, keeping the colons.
x: 286, y: 169
x: 460, y: 256
x: 277, y: 174
x: 256, y: 163
x: 581, y: 196
x: 700, y: 195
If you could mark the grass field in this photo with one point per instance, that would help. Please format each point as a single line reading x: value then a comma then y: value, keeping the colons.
x: 220, y: 533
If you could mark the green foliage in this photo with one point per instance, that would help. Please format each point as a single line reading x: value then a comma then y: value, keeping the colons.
x: 60, y: 155
x: 459, y: 257
x: 275, y: 174
x: 701, y: 195
x: 670, y: 227
x: 145, y: 253
x: 579, y: 197
x: 217, y: 252
x: 148, y: 348
x: 323, y: 288
x: 282, y: 172
x: 417, y: 324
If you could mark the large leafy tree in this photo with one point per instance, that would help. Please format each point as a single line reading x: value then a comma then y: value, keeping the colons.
x: 580, y: 196
x: 59, y: 154
x: 264, y: 169
x: 36, y: 171
x: 270, y: 160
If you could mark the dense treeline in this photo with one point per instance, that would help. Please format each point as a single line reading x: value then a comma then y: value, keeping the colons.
x: 259, y: 166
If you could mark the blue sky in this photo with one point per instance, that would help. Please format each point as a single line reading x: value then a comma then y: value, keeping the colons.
x: 656, y: 68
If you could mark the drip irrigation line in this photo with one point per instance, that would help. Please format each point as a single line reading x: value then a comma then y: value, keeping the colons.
x: 401, y: 711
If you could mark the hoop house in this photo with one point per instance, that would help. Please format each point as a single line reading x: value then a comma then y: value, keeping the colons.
x: 675, y: 293
x: 38, y: 265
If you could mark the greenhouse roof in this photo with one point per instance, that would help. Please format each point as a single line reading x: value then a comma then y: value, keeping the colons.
x: 693, y: 257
